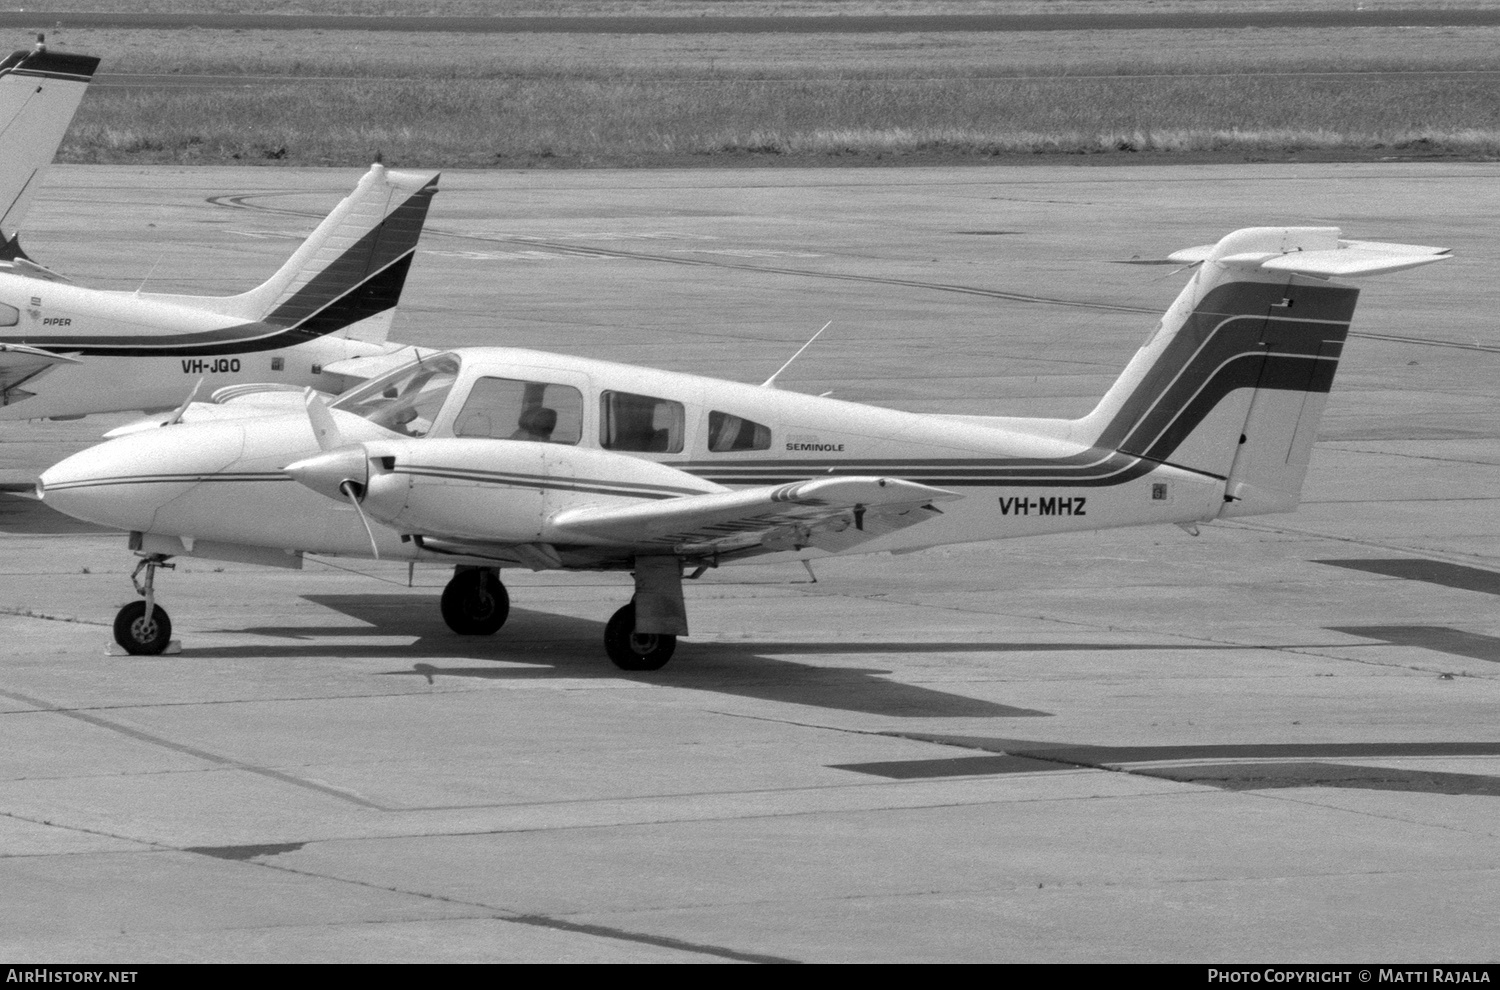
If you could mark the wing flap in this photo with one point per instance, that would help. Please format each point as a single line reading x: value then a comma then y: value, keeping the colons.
x: 828, y: 513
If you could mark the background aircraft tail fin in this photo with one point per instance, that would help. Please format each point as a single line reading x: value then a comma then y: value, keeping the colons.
x: 1234, y: 381
x: 347, y: 277
x: 39, y: 93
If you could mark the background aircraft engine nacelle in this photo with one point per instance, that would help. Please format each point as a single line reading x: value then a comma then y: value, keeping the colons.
x: 124, y: 483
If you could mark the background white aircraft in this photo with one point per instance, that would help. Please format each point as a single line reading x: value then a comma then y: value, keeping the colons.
x: 494, y: 457
x: 67, y: 351
x: 39, y: 93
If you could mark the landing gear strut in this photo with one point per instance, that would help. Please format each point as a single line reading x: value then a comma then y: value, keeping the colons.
x: 143, y: 628
x: 631, y: 650
x: 475, y: 602
x: 643, y: 634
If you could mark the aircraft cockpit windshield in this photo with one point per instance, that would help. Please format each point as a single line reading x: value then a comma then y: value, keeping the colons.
x: 407, y: 400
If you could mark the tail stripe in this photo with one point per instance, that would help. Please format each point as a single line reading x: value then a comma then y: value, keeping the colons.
x: 378, y: 249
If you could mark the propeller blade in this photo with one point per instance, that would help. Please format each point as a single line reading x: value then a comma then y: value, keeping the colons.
x: 348, y: 489
x: 177, y: 413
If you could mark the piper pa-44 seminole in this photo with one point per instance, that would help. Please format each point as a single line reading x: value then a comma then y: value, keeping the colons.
x: 494, y: 457
x: 321, y: 320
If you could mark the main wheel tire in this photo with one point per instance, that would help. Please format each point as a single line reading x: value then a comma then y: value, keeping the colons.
x: 631, y: 650
x: 142, y: 636
x: 475, y: 603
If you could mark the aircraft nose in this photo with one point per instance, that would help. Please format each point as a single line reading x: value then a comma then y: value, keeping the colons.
x: 122, y: 483
x: 329, y: 472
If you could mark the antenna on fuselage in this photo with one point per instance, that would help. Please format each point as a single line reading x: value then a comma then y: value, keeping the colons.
x: 154, y: 265
x: 771, y: 382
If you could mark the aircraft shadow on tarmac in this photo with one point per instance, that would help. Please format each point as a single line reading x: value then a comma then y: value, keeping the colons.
x: 552, y: 645
x: 565, y: 646
x: 22, y: 515
x: 1255, y: 766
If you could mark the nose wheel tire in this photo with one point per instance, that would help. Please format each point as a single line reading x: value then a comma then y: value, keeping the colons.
x: 631, y: 650
x: 475, y: 603
x: 140, y: 635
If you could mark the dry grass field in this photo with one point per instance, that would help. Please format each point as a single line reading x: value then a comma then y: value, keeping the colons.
x: 476, y: 100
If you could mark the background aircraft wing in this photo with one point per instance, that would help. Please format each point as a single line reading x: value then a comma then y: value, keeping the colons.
x: 20, y: 363
x: 361, y: 369
x: 831, y: 514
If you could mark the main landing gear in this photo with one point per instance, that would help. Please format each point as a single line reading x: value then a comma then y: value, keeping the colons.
x: 640, y: 636
x: 632, y: 650
x: 143, y: 628
x: 475, y: 602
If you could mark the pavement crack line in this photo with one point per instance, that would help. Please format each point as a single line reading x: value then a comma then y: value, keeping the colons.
x: 515, y: 917
x: 1363, y: 813
x: 1414, y: 457
x: 26, y: 613
x: 150, y: 844
x: 194, y: 751
x: 1471, y: 560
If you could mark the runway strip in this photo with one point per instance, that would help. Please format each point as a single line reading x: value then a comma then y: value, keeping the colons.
x: 879, y: 24
x: 244, y: 201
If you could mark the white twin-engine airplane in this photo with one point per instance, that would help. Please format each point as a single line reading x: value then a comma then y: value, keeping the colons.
x: 321, y: 320
x: 493, y: 457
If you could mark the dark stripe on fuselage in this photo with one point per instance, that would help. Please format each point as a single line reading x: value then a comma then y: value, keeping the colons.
x: 1279, y: 336
x: 555, y: 482
x: 245, y: 338
x: 162, y: 479
x: 365, y: 280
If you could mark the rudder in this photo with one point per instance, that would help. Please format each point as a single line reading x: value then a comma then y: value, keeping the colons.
x: 39, y: 94
x: 1234, y: 382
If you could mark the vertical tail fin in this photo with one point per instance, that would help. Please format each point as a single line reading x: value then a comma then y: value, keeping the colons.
x: 1234, y: 381
x: 346, y: 278
x: 39, y: 93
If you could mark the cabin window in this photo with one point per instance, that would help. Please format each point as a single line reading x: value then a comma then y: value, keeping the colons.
x: 407, y: 400
x: 9, y: 315
x: 511, y: 409
x: 640, y: 423
x: 726, y: 432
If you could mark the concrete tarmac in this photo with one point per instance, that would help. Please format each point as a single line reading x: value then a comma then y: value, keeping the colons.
x: 1273, y: 742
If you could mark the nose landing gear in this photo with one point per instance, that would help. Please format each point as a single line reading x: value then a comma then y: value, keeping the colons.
x: 143, y: 628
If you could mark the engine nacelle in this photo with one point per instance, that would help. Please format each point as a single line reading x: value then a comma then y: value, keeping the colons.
x: 501, y: 491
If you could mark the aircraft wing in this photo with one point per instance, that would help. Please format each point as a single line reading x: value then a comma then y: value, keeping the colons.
x: 20, y: 363
x: 375, y: 365
x: 831, y: 514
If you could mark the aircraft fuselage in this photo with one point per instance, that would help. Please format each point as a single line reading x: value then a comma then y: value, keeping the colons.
x: 142, y: 351
x: 199, y: 487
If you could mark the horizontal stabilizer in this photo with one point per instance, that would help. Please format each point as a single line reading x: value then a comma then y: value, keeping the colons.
x: 26, y: 268
x: 1320, y: 253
